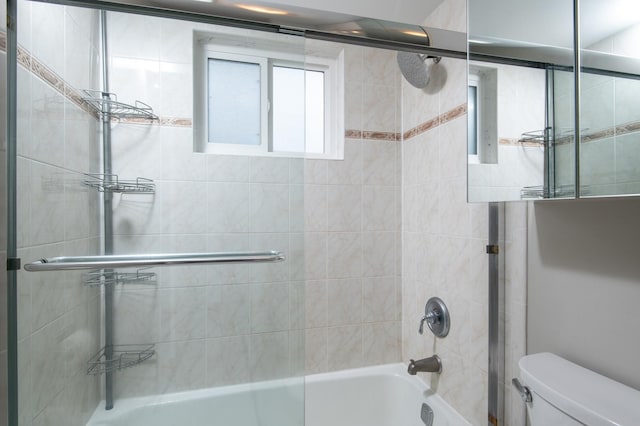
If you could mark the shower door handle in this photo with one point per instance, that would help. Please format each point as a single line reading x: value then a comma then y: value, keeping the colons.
x: 149, y: 260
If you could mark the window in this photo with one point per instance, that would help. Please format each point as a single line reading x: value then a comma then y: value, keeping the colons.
x: 472, y: 120
x: 252, y: 101
x: 482, y: 115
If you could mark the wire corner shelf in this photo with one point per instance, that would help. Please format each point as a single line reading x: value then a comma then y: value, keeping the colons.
x: 107, y: 104
x: 122, y: 356
x: 535, y: 136
x: 104, y: 278
x: 112, y: 183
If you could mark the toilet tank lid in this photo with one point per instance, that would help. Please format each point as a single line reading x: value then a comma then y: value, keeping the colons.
x: 583, y: 394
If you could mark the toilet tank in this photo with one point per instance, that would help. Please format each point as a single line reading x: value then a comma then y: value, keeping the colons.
x: 566, y: 394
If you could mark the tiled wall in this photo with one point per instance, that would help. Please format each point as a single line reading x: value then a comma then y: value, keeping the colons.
x: 58, y: 315
x: 444, y: 240
x: 338, y: 222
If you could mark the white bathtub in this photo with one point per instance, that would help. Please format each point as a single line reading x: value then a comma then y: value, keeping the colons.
x: 374, y: 396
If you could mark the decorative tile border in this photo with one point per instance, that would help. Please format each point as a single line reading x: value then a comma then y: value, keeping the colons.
x: 517, y: 142
x: 619, y: 130
x: 372, y: 135
x: 450, y: 115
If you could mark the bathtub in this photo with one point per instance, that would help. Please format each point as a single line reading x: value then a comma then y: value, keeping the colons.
x: 373, y: 396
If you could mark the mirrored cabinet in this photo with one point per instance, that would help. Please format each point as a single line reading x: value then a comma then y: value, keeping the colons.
x: 538, y: 130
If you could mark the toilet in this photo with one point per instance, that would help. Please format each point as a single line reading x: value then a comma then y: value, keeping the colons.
x: 566, y: 394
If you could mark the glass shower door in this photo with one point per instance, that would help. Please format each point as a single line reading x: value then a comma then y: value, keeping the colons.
x: 112, y: 168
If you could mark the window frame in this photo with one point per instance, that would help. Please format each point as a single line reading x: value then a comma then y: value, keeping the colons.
x: 230, y: 148
x: 331, y: 66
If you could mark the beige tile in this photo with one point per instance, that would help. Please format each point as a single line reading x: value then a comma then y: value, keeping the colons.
x: 316, y: 308
x: 344, y: 301
x: 269, y: 307
x: 179, y: 161
x: 344, y: 208
x: 315, y: 208
x: 227, y: 360
x: 378, y: 212
x: 269, y: 170
x: 228, y: 310
x: 315, y: 255
x: 379, y: 112
x: 183, y: 210
x: 227, y: 168
x: 269, y: 356
x: 378, y: 252
x: 47, y: 364
x: 349, y: 170
x: 380, y: 67
x: 344, y: 347
x: 378, y: 162
x: 269, y: 208
x: 181, y: 365
x: 235, y: 198
x: 183, y: 313
x: 381, y: 343
x: 227, y: 274
x: 270, y: 272
x: 316, y: 350
x: 344, y: 255
x: 141, y: 308
x: 379, y: 299
x: 315, y: 171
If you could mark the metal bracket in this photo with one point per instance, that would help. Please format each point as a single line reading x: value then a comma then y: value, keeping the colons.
x: 493, y: 249
x: 13, y: 264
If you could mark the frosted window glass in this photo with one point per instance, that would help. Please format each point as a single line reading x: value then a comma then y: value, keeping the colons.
x: 297, y: 110
x: 234, y: 102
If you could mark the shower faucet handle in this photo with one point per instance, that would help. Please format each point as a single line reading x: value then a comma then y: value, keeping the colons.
x: 431, y: 318
x: 436, y: 315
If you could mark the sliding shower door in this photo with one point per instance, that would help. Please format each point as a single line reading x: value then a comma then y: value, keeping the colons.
x: 58, y: 327
x: 171, y: 144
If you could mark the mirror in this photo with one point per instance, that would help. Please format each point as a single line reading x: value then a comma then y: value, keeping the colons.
x: 522, y: 100
x: 609, y: 155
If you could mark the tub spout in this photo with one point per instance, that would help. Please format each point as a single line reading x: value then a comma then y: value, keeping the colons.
x: 426, y: 365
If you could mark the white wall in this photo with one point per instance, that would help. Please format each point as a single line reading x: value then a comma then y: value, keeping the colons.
x: 584, y: 284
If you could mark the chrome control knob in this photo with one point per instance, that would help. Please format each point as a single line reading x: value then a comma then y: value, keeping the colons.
x: 436, y: 315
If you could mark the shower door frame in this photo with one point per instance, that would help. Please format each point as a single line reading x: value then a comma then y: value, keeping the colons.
x: 13, y: 262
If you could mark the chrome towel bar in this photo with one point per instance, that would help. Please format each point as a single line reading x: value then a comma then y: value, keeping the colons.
x: 142, y: 260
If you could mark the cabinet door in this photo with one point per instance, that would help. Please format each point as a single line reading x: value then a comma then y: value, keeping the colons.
x: 521, y: 100
x: 609, y: 151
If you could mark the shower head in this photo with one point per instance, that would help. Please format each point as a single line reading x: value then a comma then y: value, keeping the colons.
x: 414, y: 68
